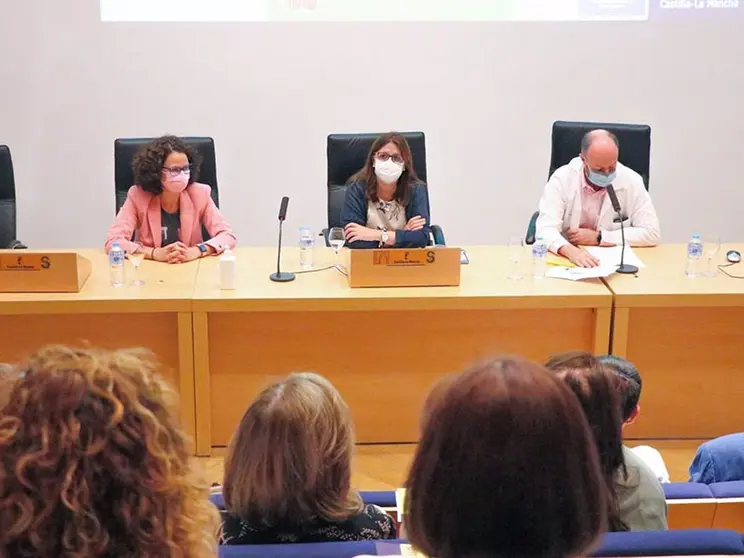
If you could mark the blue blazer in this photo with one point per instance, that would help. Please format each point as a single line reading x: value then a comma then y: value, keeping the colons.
x: 355, y: 211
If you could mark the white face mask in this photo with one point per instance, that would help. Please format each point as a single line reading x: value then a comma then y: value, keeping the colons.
x: 388, y: 171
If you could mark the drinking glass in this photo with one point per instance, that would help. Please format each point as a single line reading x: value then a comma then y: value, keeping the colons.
x: 336, y: 238
x: 711, y: 246
x: 136, y: 260
x: 516, y: 252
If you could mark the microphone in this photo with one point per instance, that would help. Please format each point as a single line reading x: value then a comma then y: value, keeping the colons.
x: 623, y: 267
x: 283, y: 208
x: 279, y: 276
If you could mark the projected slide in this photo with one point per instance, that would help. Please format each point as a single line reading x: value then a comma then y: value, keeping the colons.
x: 414, y: 10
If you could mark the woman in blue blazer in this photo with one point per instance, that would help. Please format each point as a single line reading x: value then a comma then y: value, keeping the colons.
x: 386, y: 203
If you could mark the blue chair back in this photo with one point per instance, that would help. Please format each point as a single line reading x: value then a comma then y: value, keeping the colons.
x: 686, y: 491
x: 691, y: 542
x: 729, y: 489
x: 315, y: 550
x: 381, y: 498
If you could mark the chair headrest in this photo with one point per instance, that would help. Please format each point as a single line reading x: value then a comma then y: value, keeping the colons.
x: 347, y: 154
x: 126, y: 148
x: 7, y: 177
x: 634, y: 140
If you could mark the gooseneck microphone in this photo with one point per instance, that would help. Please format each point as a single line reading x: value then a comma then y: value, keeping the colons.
x: 279, y: 276
x: 623, y: 267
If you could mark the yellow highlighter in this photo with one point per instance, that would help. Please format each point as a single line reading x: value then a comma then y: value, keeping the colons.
x: 560, y: 261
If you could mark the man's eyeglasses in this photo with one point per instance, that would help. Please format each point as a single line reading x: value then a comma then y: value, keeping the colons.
x: 382, y: 156
x: 173, y: 172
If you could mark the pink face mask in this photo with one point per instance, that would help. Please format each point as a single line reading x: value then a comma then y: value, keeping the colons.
x: 176, y: 184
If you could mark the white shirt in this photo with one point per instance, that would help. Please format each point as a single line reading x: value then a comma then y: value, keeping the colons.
x: 560, y: 208
x: 653, y: 459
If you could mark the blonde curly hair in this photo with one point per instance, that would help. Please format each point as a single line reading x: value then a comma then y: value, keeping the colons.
x: 93, y: 462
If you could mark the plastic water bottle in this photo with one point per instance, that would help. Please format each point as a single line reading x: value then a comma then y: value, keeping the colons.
x: 694, y: 257
x: 539, y: 258
x: 116, y: 265
x: 307, y: 244
x: 228, y: 271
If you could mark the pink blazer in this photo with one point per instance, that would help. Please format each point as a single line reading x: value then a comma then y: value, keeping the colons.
x: 140, y: 215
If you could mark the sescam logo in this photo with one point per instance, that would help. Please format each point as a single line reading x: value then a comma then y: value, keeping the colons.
x: 24, y: 262
x: 403, y: 258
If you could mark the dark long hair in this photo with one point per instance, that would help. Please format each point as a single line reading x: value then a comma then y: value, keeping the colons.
x: 593, y: 386
x: 367, y: 173
x: 506, y: 466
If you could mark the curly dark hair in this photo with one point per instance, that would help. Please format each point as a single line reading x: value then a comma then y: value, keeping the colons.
x: 147, y: 165
x: 94, y: 464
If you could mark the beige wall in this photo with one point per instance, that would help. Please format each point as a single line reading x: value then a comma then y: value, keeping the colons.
x: 485, y: 94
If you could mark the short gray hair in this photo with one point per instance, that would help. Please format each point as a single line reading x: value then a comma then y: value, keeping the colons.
x: 589, y: 137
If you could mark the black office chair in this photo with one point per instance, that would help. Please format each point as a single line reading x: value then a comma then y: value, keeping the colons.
x: 635, y: 150
x: 347, y: 154
x: 126, y: 148
x: 8, y: 238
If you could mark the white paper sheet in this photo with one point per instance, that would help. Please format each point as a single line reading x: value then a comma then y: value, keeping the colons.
x: 609, y: 256
x: 400, y: 502
x: 578, y: 273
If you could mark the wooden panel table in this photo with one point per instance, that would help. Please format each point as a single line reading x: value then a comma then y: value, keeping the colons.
x: 686, y: 335
x: 156, y: 315
x: 383, y: 348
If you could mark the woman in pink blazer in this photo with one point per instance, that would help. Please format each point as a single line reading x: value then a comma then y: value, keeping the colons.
x: 166, y: 208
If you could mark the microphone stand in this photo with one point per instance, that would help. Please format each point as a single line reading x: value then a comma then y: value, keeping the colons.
x: 623, y: 267
x: 279, y: 276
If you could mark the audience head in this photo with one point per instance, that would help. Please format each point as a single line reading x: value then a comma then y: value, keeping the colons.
x: 594, y: 388
x: 506, y: 466
x: 437, y: 392
x: 93, y: 462
x: 8, y: 377
x: 166, y: 163
x: 389, y: 161
x: 290, y: 459
x: 599, y: 152
x: 628, y: 383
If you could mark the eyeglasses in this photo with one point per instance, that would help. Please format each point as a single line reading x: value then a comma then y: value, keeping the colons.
x: 173, y: 172
x: 382, y: 156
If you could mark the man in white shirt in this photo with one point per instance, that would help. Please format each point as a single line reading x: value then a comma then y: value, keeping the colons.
x: 576, y: 211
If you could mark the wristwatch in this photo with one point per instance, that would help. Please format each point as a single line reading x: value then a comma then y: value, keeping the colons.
x: 203, y: 249
x: 384, y: 237
x: 599, y: 238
